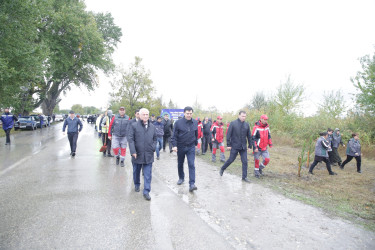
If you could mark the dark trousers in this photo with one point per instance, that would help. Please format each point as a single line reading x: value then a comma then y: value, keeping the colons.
x: 318, y: 159
x: 105, y: 140
x: 233, y: 156
x: 165, y: 140
x: 335, y: 156
x: 349, y: 158
x: 190, y: 155
x: 147, y: 174
x: 206, y: 141
x: 7, y: 135
x: 72, y: 137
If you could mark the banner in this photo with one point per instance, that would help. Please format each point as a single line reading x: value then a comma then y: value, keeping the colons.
x: 173, y: 113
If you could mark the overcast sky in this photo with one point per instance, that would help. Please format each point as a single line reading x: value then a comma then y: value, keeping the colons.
x: 222, y: 52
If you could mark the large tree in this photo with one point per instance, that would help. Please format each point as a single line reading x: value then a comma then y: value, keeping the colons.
x: 133, y: 88
x: 289, y: 96
x: 365, y: 84
x: 332, y: 105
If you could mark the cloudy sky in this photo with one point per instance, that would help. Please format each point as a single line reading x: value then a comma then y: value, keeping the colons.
x: 222, y: 52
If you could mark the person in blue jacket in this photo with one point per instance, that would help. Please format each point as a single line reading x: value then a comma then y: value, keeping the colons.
x: 73, y: 123
x: 8, y: 122
x: 353, y: 151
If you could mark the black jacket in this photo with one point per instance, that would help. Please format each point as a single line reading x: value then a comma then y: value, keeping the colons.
x: 142, y: 142
x: 185, y: 133
x: 168, y: 127
x: 237, y: 134
x: 207, y: 128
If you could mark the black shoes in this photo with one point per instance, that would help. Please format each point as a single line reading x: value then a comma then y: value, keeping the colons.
x: 221, y: 172
x: 73, y: 154
x: 122, y: 163
x: 109, y: 155
x: 192, y: 188
x: 310, y: 172
x: 157, y: 158
x: 180, y: 181
x: 104, y: 155
x: 257, y: 174
x: 341, y: 167
x: 359, y: 171
x: 147, y: 197
x: 117, y: 160
x: 332, y: 173
x: 170, y: 151
x: 246, y: 180
x: 136, y: 189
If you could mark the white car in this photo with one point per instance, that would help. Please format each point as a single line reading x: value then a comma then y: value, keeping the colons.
x: 59, y: 118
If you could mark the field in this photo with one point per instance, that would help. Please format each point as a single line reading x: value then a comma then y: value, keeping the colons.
x: 348, y: 195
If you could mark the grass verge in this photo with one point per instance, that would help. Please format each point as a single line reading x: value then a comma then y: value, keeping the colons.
x: 348, y: 195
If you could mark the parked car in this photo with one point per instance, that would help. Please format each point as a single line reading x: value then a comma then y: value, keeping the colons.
x: 38, y: 121
x: 59, y: 118
x: 91, y: 119
x: 26, y: 122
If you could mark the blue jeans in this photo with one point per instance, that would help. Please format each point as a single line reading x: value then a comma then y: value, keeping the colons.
x: 159, y: 145
x: 233, y: 156
x: 147, y: 174
x: 190, y: 155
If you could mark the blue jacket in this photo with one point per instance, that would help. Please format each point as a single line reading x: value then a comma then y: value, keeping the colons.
x: 72, y: 125
x: 8, y: 120
x: 354, y: 147
x: 185, y: 133
x: 159, y: 126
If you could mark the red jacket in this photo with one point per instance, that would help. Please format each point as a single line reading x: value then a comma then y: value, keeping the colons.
x: 217, y: 131
x: 261, y: 136
x: 200, y: 130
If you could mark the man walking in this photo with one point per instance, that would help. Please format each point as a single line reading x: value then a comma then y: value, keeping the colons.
x: 218, y: 139
x: 261, y: 139
x: 337, y: 140
x: 168, y: 128
x: 142, y: 144
x: 159, y: 127
x: 321, y: 153
x: 73, y: 123
x: 200, y: 136
x: 238, y: 132
x: 8, y: 120
x: 118, y: 130
x: 184, y: 140
x: 206, y: 135
x: 105, y: 129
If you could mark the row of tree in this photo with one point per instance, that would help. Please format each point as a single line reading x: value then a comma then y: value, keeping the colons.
x: 47, y: 46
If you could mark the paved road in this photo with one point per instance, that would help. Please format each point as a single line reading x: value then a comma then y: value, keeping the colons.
x: 49, y: 200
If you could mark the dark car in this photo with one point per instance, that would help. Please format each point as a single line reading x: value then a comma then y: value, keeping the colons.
x: 91, y: 119
x: 26, y: 122
x: 45, y: 122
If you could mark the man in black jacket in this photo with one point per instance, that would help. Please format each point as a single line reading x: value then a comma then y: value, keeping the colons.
x: 168, y: 128
x: 206, y: 135
x: 238, y: 132
x: 142, y: 144
x: 184, y: 140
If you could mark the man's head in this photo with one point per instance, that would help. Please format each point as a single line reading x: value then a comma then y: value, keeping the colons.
x: 144, y: 114
x: 337, y: 131
x: 71, y: 114
x: 6, y: 110
x: 219, y: 119
x: 242, y: 116
x: 188, y: 113
x: 324, y: 134
x: 159, y: 119
x: 355, y: 136
x: 136, y: 113
x: 264, y: 119
x: 166, y: 116
x: 121, y: 111
x: 330, y: 131
x: 153, y: 117
x: 206, y: 119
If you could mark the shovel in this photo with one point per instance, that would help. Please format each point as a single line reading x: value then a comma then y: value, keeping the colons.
x: 104, y: 147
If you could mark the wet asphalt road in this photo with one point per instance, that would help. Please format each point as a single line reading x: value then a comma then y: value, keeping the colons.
x: 49, y: 200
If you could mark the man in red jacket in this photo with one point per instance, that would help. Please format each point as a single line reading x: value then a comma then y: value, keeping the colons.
x: 200, y: 136
x: 261, y: 139
x: 217, y: 131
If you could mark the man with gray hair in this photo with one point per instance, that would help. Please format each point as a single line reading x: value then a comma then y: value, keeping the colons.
x: 142, y: 145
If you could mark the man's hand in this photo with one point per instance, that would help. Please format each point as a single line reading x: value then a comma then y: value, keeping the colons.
x: 343, y: 145
x: 256, y: 150
x: 135, y: 156
x: 213, y: 139
x: 356, y: 154
x: 271, y: 145
x: 229, y: 148
x: 174, y: 149
x: 109, y: 137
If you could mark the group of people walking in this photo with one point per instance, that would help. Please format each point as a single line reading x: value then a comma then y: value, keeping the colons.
x: 187, y: 137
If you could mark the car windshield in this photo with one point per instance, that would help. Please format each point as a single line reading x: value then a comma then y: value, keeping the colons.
x: 36, y: 118
x: 25, y: 119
